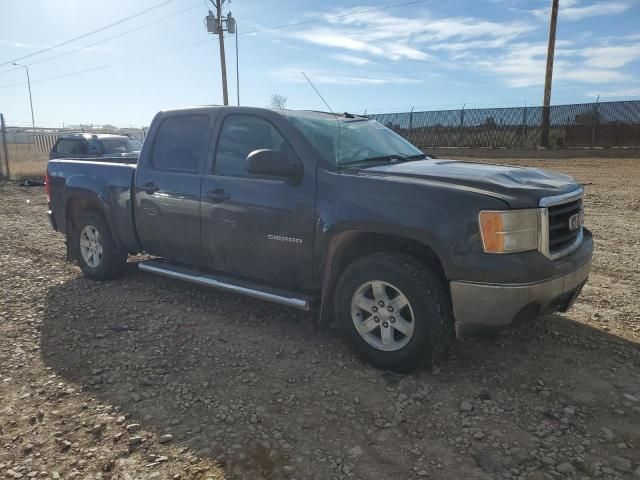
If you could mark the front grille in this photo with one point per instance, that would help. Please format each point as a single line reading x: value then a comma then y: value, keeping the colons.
x: 561, y: 237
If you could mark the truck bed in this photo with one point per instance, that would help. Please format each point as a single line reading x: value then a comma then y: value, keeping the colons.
x: 107, y: 184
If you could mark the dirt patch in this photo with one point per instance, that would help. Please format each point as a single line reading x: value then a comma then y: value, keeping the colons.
x: 96, y: 375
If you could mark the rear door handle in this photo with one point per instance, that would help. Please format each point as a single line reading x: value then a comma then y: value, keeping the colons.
x: 218, y: 195
x: 150, y: 187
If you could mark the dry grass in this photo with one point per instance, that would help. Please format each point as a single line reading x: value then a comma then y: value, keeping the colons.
x: 25, y: 161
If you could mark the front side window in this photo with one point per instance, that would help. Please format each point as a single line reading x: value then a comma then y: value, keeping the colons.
x: 241, y: 135
x: 181, y: 143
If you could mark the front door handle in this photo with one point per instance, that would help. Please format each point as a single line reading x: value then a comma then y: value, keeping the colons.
x: 218, y: 195
x: 150, y: 188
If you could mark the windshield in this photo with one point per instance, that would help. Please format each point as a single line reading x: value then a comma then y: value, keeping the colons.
x: 112, y: 146
x: 355, y: 141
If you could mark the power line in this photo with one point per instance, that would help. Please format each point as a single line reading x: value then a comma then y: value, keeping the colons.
x: 161, y: 4
x: 276, y: 27
x: 137, y: 58
x: 57, y: 76
x: 113, y: 37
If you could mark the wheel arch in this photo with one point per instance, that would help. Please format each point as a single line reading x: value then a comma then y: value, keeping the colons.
x: 348, y: 246
x: 77, y: 205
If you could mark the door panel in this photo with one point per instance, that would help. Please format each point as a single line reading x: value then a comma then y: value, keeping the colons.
x: 263, y: 230
x: 256, y: 227
x: 167, y: 190
x: 168, y: 215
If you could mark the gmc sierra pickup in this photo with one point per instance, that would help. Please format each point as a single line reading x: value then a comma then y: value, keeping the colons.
x: 334, y: 213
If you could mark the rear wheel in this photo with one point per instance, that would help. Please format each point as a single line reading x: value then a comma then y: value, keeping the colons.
x: 98, y: 256
x: 394, y: 311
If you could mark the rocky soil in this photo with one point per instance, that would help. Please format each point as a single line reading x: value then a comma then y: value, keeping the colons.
x: 145, y: 377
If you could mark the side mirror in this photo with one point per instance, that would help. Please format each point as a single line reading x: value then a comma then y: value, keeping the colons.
x: 272, y: 162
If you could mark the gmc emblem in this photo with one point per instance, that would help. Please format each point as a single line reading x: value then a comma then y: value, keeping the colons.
x: 574, y: 222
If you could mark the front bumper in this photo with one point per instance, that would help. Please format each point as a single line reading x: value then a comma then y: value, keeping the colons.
x: 478, y: 307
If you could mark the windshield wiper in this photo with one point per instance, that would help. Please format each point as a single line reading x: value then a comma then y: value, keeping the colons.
x: 384, y: 158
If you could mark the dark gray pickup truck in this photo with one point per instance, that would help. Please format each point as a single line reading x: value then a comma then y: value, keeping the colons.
x: 332, y: 213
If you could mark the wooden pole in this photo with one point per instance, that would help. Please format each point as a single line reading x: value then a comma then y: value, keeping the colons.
x: 223, y: 62
x: 546, y: 108
x: 4, y: 146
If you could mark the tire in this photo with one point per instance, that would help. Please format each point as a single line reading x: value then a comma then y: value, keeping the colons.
x: 392, y: 342
x: 98, y: 256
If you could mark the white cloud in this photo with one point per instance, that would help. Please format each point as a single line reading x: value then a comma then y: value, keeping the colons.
x: 292, y: 74
x: 572, y: 10
x: 590, y: 75
x: 464, y: 28
x: 523, y: 65
x: 406, y: 38
x: 331, y: 37
x: 501, y: 49
x: 624, y: 92
x: 611, y: 56
x: 352, y: 59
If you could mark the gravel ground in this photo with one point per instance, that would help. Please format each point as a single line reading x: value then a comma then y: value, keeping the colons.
x: 145, y: 377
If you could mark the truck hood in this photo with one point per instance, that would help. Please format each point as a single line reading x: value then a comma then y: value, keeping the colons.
x: 520, y: 187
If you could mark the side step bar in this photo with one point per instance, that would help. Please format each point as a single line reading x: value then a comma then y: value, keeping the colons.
x: 209, y: 280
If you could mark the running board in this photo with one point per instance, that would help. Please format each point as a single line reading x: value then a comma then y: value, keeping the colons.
x: 230, y: 285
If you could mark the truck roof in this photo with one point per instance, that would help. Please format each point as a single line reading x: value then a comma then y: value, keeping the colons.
x: 88, y: 136
x: 285, y: 112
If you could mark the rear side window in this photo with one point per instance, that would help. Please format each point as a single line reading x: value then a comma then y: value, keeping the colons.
x: 69, y: 146
x: 181, y: 143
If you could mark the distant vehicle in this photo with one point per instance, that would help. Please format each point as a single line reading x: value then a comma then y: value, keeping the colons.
x: 96, y: 146
x: 335, y: 213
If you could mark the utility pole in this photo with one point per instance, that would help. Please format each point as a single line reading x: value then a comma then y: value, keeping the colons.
x: 218, y: 25
x: 546, y: 108
x: 223, y: 63
x: 237, y: 64
x: 33, y: 122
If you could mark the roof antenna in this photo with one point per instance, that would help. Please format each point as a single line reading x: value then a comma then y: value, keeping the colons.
x: 330, y: 109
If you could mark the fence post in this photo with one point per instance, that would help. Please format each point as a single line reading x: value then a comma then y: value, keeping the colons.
x: 594, y: 122
x: 461, y: 126
x: 524, y: 125
x: 5, y: 152
x: 411, y: 124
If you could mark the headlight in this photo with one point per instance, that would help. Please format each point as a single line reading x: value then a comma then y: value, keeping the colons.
x: 509, y: 231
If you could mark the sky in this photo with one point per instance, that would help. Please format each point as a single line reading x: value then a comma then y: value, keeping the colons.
x: 371, y: 56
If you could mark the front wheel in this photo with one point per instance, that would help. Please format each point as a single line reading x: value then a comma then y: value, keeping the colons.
x: 394, y: 311
x: 98, y: 256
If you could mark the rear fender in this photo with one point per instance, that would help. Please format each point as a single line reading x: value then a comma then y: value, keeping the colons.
x: 83, y: 193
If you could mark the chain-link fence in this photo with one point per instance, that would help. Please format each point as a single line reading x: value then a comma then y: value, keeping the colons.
x: 605, y: 124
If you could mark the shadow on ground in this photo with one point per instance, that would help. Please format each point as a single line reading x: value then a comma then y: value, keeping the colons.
x: 263, y: 391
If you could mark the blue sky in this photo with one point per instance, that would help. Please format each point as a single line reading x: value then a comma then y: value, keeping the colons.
x: 430, y: 55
